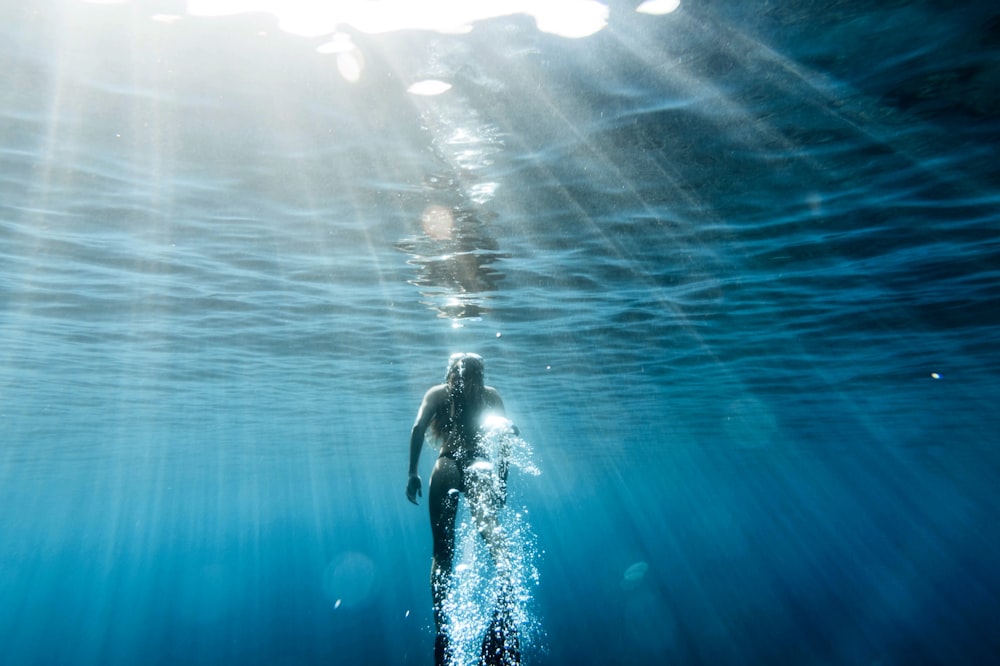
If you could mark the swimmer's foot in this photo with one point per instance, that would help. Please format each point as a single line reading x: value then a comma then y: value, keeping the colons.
x: 442, y: 651
x: 501, y: 646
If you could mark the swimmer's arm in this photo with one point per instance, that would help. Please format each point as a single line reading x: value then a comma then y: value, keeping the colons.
x: 416, y: 443
x: 427, y: 408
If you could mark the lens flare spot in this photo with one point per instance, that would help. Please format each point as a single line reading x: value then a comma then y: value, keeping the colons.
x: 438, y: 222
x: 634, y: 575
x: 350, y: 580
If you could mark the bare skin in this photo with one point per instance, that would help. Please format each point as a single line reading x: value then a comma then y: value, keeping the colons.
x: 446, y: 484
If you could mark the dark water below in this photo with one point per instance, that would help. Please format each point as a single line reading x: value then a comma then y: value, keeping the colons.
x: 735, y: 270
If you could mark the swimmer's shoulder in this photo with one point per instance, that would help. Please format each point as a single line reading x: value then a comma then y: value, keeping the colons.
x: 433, y: 399
x: 436, y: 396
x: 493, y: 397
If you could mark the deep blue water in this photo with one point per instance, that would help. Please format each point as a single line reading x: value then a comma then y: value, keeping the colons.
x: 735, y: 270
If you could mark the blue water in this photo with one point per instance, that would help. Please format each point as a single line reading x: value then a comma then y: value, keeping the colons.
x: 735, y: 270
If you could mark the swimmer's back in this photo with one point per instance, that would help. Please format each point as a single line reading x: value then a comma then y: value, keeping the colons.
x: 465, y: 446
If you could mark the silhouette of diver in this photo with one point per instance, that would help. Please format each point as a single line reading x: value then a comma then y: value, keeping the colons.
x: 455, y: 412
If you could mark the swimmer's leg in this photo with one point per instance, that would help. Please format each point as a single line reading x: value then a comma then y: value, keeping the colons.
x: 501, y: 644
x: 442, y: 499
x: 486, y: 492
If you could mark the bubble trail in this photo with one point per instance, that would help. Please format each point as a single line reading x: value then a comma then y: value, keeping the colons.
x: 494, y: 582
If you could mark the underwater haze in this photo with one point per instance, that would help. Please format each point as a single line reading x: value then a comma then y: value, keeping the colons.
x: 734, y: 267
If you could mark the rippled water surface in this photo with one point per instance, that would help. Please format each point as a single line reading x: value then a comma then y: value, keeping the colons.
x: 735, y: 269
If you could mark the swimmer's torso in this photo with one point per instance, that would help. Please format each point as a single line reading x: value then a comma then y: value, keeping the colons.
x: 460, y: 441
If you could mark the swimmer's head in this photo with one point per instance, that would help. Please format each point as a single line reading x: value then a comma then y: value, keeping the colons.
x: 465, y: 369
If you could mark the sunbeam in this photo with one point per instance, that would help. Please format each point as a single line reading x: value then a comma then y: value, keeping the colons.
x: 732, y: 267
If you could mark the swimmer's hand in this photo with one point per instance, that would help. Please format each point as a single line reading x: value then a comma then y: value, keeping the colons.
x: 413, y: 488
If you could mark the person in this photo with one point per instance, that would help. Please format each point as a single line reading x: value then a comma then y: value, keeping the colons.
x: 455, y: 413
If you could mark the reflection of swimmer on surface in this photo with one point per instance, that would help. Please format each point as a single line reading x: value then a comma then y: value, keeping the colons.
x: 457, y: 261
x: 455, y: 413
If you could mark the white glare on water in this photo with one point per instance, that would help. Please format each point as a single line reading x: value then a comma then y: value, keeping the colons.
x: 429, y: 88
x: 311, y: 18
x: 656, y: 7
